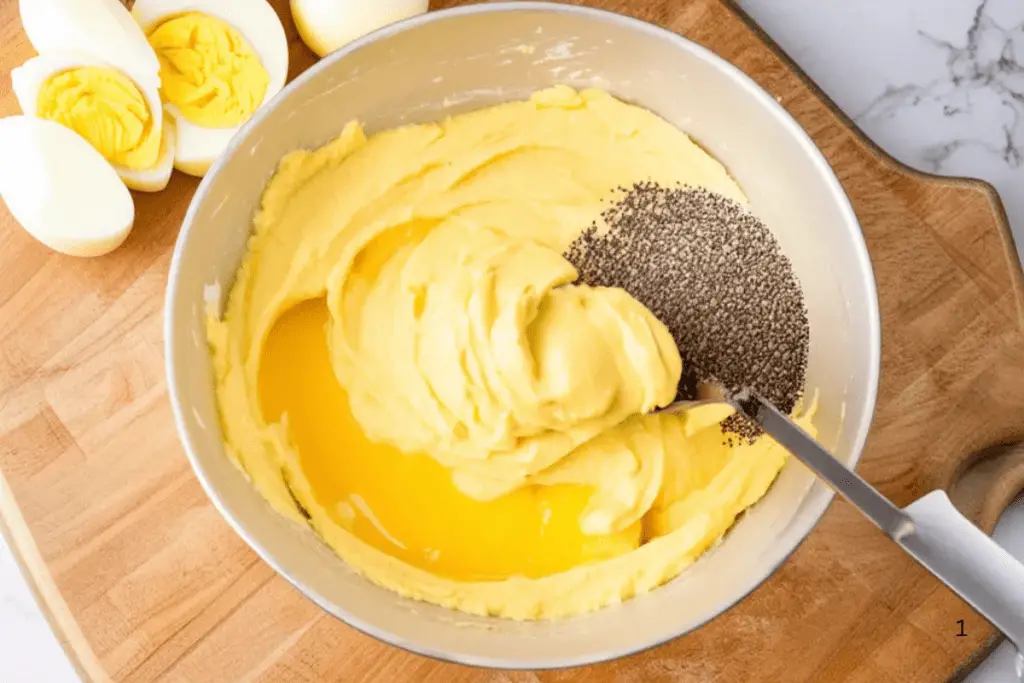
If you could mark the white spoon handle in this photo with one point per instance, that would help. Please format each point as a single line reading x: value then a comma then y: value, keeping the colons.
x: 931, y: 530
x: 967, y: 560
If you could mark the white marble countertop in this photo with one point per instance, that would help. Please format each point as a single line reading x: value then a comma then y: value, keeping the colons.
x: 937, y: 83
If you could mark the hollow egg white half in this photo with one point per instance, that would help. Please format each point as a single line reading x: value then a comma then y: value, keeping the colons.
x: 60, y: 189
x: 198, y: 146
x: 29, y: 78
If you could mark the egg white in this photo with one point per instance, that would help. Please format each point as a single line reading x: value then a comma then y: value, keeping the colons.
x: 102, y: 29
x: 326, y: 25
x: 27, y: 79
x: 60, y: 189
x: 198, y: 146
x: 156, y: 177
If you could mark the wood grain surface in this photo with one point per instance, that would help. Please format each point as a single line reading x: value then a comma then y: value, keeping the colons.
x: 143, y: 581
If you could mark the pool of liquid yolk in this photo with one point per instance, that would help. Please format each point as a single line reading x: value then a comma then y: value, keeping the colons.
x: 405, y: 504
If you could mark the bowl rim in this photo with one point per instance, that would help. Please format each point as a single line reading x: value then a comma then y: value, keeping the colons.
x: 728, y: 70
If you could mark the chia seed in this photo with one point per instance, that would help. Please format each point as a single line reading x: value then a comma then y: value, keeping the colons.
x: 714, y: 274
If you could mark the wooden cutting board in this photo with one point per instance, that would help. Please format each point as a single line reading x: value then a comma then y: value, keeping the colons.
x: 142, y: 580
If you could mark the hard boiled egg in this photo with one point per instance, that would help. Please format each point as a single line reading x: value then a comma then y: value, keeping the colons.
x: 97, y: 75
x: 102, y: 29
x: 121, y: 117
x: 326, y: 25
x: 220, y: 60
x: 60, y: 189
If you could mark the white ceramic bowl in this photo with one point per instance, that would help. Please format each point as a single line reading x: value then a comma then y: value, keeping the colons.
x: 452, y: 61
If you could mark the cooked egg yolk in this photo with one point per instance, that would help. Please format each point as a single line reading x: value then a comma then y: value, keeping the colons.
x: 208, y: 70
x: 106, y: 108
x: 405, y: 504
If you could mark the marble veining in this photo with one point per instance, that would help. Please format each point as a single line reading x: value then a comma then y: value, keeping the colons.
x: 939, y: 84
x: 985, y: 70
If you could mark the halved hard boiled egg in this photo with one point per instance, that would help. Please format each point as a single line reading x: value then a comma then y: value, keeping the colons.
x: 121, y: 117
x: 60, y: 189
x: 102, y: 29
x: 219, y: 61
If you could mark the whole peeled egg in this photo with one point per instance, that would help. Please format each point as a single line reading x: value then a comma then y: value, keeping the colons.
x: 60, y: 189
x: 219, y: 61
x: 326, y: 25
x: 97, y: 75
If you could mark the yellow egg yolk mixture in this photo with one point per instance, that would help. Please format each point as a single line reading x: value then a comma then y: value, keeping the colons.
x: 106, y: 108
x: 406, y: 504
x: 408, y: 365
x: 208, y: 70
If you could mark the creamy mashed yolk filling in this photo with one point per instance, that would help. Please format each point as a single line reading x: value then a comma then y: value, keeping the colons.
x: 107, y: 109
x: 405, y: 504
x: 406, y: 363
x: 208, y: 70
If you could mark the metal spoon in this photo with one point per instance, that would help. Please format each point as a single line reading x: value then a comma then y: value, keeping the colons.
x: 930, y: 529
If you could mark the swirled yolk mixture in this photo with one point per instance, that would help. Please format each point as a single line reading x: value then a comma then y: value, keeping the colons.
x: 407, y: 364
x: 385, y: 496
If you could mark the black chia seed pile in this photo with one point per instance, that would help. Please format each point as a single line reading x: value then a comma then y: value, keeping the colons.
x: 714, y: 274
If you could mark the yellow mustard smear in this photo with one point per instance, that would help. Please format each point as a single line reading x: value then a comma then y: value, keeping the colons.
x: 107, y: 109
x: 208, y: 70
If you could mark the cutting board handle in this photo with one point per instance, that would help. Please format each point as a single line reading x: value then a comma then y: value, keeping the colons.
x: 988, y: 482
